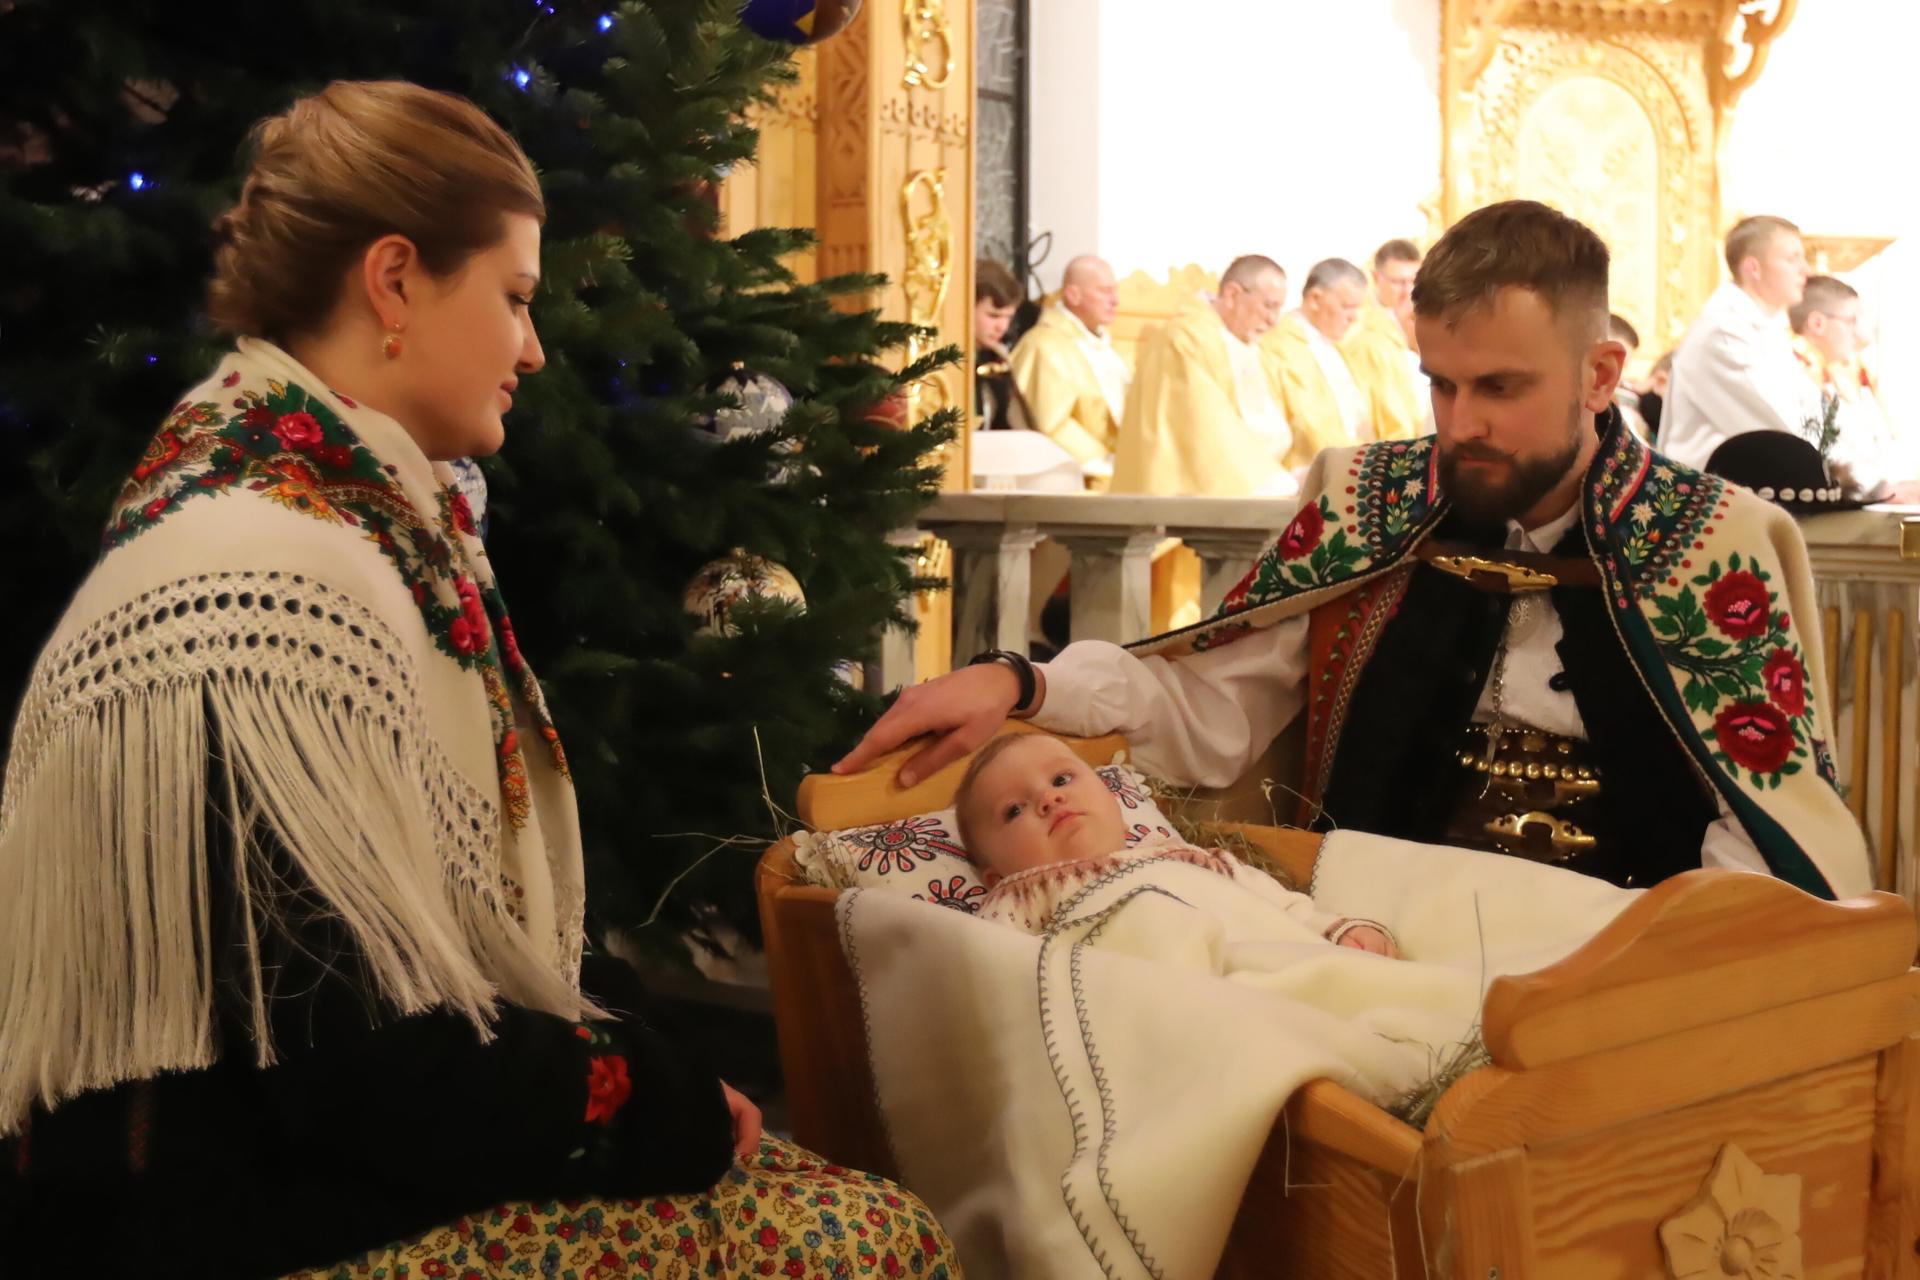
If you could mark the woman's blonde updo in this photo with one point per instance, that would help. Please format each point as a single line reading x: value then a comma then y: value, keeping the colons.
x: 340, y: 169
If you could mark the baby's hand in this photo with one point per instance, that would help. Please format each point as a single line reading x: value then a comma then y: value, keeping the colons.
x: 1368, y: 938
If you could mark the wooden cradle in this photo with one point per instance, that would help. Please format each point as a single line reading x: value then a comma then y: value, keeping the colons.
x: 1728, y: 1049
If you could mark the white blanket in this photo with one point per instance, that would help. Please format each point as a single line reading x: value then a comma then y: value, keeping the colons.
x: 1090, y: 1102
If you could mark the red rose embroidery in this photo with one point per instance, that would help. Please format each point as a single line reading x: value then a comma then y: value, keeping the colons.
x: 258, y: 417
x: 337, y: 456
x: 1303, y: 535
x: 496, y: 1252
x: 769, y: 1237
x: 1740, y: 605
x: 1786, y: 681
x: 523, y: 1224
x: 1755, y: 735
x: 607, y: 1088
x: 509, y: 644
x: 297, y: 431
x: 462, y: 513
x: 468, y: 632
x: 231, y: 380
x: 153, y: 509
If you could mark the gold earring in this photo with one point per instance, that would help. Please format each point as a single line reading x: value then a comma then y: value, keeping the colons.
x: 390, y: 346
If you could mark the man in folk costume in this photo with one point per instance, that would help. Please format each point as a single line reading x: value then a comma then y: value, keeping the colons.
x: 1527, y: 634
x: 291, y: 902
x: 1066, y: 368
x: 1317, y: 390
x: 1826, y: 329
x: 1201, y: 416
x: 1735, y: 370
x: 1379, y: 347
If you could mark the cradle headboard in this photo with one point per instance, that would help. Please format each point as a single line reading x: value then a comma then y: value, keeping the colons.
x: 829, y: 802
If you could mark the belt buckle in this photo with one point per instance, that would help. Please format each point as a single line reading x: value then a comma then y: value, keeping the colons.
x: 1564, y: 838
x: 1518, y: 577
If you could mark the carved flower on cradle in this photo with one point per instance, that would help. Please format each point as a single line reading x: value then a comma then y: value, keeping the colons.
x: 1745, y: 1224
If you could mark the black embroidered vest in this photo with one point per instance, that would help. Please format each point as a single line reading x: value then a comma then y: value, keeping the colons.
x: 1393, y: 769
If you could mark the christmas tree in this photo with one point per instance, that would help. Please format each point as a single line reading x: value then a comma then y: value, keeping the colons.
x: 657, y: 440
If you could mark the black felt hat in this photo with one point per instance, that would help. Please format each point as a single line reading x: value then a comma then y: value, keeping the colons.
x: 1784, y: 468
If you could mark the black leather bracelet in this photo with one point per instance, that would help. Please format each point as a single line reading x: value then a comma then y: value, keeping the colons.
x: 1022, y: 668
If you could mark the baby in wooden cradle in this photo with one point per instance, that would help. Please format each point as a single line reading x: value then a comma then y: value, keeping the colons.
x: 1041, y: 824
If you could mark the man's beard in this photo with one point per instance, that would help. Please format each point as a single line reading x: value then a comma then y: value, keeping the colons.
x: 1492, y: 499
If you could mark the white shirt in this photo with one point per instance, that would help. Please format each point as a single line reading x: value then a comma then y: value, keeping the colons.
x: 1203, y: 719
x: 1253, y: 393
x: 1734, y: 372
x: 1109, y: 367
x: 1346, y: 392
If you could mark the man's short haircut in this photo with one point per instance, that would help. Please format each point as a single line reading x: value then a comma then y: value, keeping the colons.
x: 1516, y: 244
x: 1246, y: 269
x: 1750, y: 237
x: 1395, y: 251
x: 1824, y: 294
x: 1621, y: 329
x: 1329, y: 272
x: 963, y: 794
x: 996, y: 284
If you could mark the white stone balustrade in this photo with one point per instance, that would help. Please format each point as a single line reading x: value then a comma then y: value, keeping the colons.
x: 1111, y: 540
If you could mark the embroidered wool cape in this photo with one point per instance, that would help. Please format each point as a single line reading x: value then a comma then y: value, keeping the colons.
x: 1707, y: 588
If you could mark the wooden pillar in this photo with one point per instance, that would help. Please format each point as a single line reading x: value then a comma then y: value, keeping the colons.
x: 895, y: 179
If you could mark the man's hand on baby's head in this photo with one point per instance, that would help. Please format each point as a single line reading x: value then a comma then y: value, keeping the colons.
x: 1367, y: 938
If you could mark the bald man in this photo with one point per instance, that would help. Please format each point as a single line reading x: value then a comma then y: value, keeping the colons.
x: 1201, y: 418
x: 1074, y: 382
x: 1311, y: 379
x: 1380, y: 351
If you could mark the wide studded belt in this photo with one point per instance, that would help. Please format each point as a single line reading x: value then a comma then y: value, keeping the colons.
x: 1525, y: 792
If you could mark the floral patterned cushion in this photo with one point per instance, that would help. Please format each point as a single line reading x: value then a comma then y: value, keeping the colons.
x: 922, y: 856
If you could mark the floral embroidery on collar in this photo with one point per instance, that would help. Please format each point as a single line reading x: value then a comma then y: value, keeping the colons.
x: 292, y: 449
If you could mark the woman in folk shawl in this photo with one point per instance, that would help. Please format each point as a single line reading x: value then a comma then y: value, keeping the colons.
x: 290, y: 874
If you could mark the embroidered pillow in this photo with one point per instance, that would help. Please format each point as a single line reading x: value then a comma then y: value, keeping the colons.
x: 922, y: 857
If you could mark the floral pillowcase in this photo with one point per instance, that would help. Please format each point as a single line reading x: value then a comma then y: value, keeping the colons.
x: 922, y: 857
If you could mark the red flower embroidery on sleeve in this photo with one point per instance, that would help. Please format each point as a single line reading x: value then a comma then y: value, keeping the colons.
x: 1740, y: 605
x: 1755, y: 735
x: 1786, y: 681
x: 607, y: 1088
x: 1303, y: 535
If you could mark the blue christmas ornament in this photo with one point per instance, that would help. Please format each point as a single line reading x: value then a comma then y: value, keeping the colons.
x: 797, y: 21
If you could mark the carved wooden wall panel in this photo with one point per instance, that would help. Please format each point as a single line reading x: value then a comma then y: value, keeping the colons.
x: 1615, y: 111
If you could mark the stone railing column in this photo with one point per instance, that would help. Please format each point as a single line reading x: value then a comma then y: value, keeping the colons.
x: 1225, y: 557
x: 1112, y: 578
x: 991, y: 582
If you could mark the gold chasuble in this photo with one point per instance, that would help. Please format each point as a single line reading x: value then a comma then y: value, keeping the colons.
x: 1074, y: 382
x: 1185, y: 431
x: 1382, y: 362
x: 1312, y: 404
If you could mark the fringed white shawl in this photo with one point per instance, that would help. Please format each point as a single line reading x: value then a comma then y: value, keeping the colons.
x: 288, y: 578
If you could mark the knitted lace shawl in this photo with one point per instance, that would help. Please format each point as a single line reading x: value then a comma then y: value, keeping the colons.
x: 288, y: 579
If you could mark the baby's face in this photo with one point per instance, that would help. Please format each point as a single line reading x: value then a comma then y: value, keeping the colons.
x: 1037, y: 803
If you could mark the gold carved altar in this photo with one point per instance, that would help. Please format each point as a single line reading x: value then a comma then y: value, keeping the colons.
x: 873, y: 147
x: 1615, y: 111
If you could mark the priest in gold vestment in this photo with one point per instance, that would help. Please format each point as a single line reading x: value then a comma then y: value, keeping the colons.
x: 1072, y: 379
x: 1379, y: 348
x: 1316, y: 387
x: 1201, y: 418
